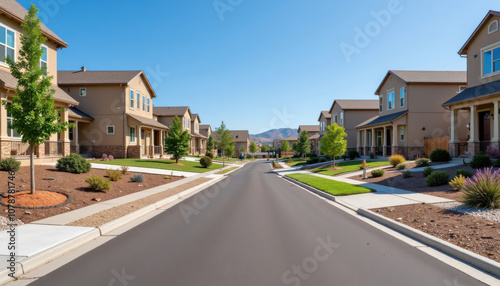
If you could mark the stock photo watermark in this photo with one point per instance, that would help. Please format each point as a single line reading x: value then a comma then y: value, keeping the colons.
x: 222, y: 7
x: 120, y: 278
x: 49, y: 9
x: 11, y: 224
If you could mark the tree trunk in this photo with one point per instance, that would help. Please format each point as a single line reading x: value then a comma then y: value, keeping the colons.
x: 223, y: 159
x: 32, y: 169
x: 333, y: 161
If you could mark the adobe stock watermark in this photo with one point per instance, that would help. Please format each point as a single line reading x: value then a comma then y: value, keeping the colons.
x: 363, y: 36
x: 452, y: 283
x: 155, y: 76
x: 49, y: 9
x: 221, y: 7
x: 310, y: 264
x: 120, y: 278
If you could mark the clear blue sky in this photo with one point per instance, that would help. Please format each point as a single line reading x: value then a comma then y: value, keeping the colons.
x: 261, y: 64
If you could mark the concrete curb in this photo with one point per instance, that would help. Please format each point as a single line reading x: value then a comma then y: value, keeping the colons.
x: 474, y: 259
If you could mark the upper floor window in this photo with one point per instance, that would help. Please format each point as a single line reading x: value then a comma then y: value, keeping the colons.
x: 131, y: 99
x: 390, y: 100
x: 7, y: 44
x: 83, y: 92
x: 402, y: 133
x: 402, y: 96
x: 196, y: 127
x: 493, y: 27
x: 110, y: 130
x: 491, y: 61
x: 44, y: 60
x: 138, y: 101
x: 148, y: 101
x: 12, y: 133
x: 341, y: 118
x: 380, y: 105
x: 335, y: 118
x: 143, y: 103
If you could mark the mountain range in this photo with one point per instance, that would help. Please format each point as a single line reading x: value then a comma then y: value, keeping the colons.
x: 268, y: 136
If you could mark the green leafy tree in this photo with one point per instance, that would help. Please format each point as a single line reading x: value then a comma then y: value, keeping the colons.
x: 295, y: 146
x: 177, y: 141
x: 230, y: 150
x: 223, y: 140
x: 285, y: 147
x: 334, y: 141
x: 242, y: 149
x: 304, y: 144
x: 253, y: 147
x: 210, y: 144
x: 34, y: 115
x: 264, y: 148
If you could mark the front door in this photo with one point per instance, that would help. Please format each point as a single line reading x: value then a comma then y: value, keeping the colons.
x: 484, y: 129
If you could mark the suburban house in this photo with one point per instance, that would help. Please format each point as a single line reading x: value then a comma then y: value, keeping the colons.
x: 291, y: 139
x: 115, y: 114
x: 479, y: 101
x: 325, y: 119
x: 198, y: 144
x: 241, y: 138
x: 349, y: 114
x: 11, y: 17
x: 410, y: 112
x: 313, y: 132
x: 206, y: 130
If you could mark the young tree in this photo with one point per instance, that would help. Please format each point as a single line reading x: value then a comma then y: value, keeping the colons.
x: 177, y: 142
x: 304, y: 145
x: 253, y: 147
x: 223, y: 140
x: 210, y: 144
x: 333, y: 142
x: 230, y: 150
x: 242, y: 150
x: 285, y: 147
x: 264, y: 148
x: 295, y: 146
x: 34, y: 115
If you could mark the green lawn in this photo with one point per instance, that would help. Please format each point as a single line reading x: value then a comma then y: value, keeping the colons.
x: 329, y: 186
x: 226, y: 160
x: 194, y: 167
x: 295, y: 162
x: 349, y: 166
x: 227, y: 170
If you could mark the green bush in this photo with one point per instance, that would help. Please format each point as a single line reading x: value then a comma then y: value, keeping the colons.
x: 458, y: 182
x: 422, y: 162
x: 249, y: 156
x: 465, y: 173
x: 206, y: 162
x: 353, y: 154
x: 311, y: 155
x: 396, y: 160
x: 73, y: 163
x: 480, y: 161
x: 437, y: 178
x: 428, y: 171
x: 209, y: 154
x: 483, y: 190
x: 98, y: 184
x: 114, y: 175
x: 322, y: 160
x: 313, y: 160
x: 372, y: 156
x: 10, y: 164
x: 137, y: 178
x: 401, y: 166
x: 407, y: 174
x: 440, y: 155
x: 378, y: 173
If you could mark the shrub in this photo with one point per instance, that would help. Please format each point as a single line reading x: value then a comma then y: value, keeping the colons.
x: 111, y: 157
x: 372, y: 156
x: 206, y: 162
x: 440, y: 155
x: 483, y: 189
x: 437, y: 178
x: 209, y: 154
x: 465, y: 173
x: 458, y: 182
x: 322, y: 160
x: 137, y: 178
x: 98, y: 184
x: 311, y: 155
x: 493, y: 151
x: 249, y: 156
x: 396, y: 160
x: 124, y: 169
x: 428, y: 171
x: 10, y: 164
x: 114, y: 175
x: 480, y: 161
x: 73, y: 163
x: 168, y: 177
x: 401, y: 166
x: 313, y: 160
x: 104, y: 157
x: 378, y: 173
x: 422, y: 162
x: 274, y: 165
x: 407, y: 174
x: 353, y: 154
x: 363, y: 166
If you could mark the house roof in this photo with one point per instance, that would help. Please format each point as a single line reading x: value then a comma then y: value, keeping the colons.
x: 473, y: 93
x: 148, y: 121
x: 171, y: 110
x: 194, y: 116
x: 291, y: 138
x: 491, y: 13
x: 426, y: 77
x: 194, y: 134
x: 240, y: 135
x: 12, y: 9
x: 314, y: 137
x: 85, y: 77
x: 205, y: 126
x: 382, y: 119
x: 355, y: 104
x: 325, y: 114
x: 77, y: 113
x: 8, y: 81
x: 309, y: 128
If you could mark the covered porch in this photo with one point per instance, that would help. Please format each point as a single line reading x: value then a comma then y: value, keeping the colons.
x: 79, y: 119
x: 146, y: 138
x: 198, y: 144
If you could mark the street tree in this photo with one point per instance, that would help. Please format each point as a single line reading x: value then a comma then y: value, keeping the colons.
x: 334, y: 141
x: 285, y: 147
x: 304, y: 144
x: 223, y: 140
x: 210, y: 144
x: 295, y: 146
x: 177, y: 141
x: 264, y: 148
x: 253, y: 148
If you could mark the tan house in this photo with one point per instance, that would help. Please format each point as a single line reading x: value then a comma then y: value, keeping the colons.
x: 349, y: 114
x: 206, y: 130
x: 241, y: 138
x: 115, y: 114
x: 291, y: 139
x: 11, y: 17
x: 409, y: 111
x: 313, y: 132
x: 479, y: 101
x: 198, y: 144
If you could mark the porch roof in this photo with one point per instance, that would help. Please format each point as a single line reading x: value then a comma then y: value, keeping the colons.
x: 78, y: 114
x: 148, y: 121
x: 197, y: 135
x: 475, y: 92
x: 377, y: 120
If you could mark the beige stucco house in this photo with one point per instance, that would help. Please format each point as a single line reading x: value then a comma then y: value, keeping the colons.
x: 11, y: 16
x: 409, y: 111
x: 241, y: 138
x: 313, y: 132
x: 198, y: 140
x: 480, y: 100
x: 206, y: 130
x: 278, y: 142
x: 116, y: 114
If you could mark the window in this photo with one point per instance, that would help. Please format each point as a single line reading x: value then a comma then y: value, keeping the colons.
x: 390, y: 100
x: 132, y: 134
x: 131, y: 99
x: 402, y: 96
x: 335, y: 118
x: 110, y: 130
x: 341, y: 118
x: 402, y: 134
x: 142, y: 134
x: 83, y: 92
x: 380, y: 105
x: 491, y: 61
x: 148, y: 103
x: 493, y: 27
x: 7, y: 44
x: 71, y: 133
x: 12, y: 133
x: 196, y: 128
x: 138, y: 101
x: 44, y: 60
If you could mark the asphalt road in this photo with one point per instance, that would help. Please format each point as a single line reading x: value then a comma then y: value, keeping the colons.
x: 255, y: 229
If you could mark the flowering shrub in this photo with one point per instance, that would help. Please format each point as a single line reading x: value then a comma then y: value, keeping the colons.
x: 493, y: 152
x: 111, y: 158
x: 104, y: 157
x: 483, y: 189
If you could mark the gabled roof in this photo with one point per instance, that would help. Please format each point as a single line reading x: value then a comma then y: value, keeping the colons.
x: 171, y: 110
x: 78, y: 114
x: 426, y: 77
x: 491, y: 13
x: 15, y: 11
x: 309, y: 128
x: 205, y: 127
x: 325, y: 114
x: 291, y: 138
x: 85, y: 77
x: 148, y: 121
x: 194, y: 116
x: 473, y: 93
x: 197, y: 135
x: 240, y: 136
x: 382, y: 119
x: 355, y: 104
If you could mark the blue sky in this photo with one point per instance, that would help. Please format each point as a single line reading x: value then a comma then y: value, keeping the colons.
x: 259, y: 64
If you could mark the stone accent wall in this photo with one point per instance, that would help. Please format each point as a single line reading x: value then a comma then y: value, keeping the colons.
x: 410, y: 153
x: 133, y: 151
x: 75, y: 149
x: 40, y: 151
x: 97, y: 151
x: 5, y: 149
x: 473, y: 148
x: 66, y: 148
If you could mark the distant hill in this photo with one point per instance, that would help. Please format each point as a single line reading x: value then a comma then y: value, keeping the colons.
x: 268, y: 136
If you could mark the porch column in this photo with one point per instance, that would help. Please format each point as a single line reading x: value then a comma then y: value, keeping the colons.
x: 474, y: 144
x: 358, y: 140
x: 384, y: 138
x: 162, y: 143
x: 152, y: 143
x: 139, y: 136
x: 373, y: 141
x: 65, y: 134
x: 365, y: 141
x: 454, y: 126
x: 394, y: 139
x: 75, y: 138
x: 496, y: 121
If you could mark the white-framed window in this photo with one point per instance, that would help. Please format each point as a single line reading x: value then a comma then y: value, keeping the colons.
x: 342, y: 118
x: 196, y: 127
x: 402, y: 96
x: 83, y: 92
x: 493, y: 27
x: 491, y: 60
x: 71, y: 133
x: 390, y: 100
x: 12, y: 133
x: 7, y: 44
x: 143, y: 103
x: 380, y: 105
x: 402, y: 133
x: 148, y: 102
x: 132, y: 134
x: 110, y: 130
x: 131, y: 99
x: 138, y: 101
x: 44, y: 60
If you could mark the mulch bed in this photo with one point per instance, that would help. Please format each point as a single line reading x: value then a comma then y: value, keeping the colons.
x: 472, y: 233
x: 74, y: 185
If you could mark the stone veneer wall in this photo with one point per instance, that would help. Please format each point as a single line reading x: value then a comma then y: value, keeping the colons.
x: 97, y: 151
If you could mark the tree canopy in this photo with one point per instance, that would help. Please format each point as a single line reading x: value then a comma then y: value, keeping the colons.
x: 285, y: 147
x: 304, y: 144
x: 224, y: 140
x: 334, y: 141
x: 177, y: 141
x: 253, y: 147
